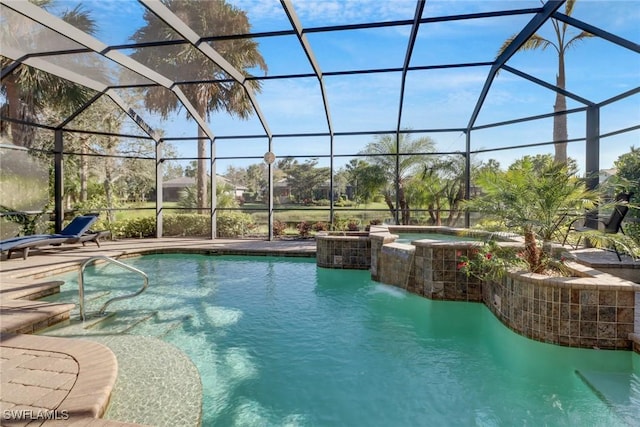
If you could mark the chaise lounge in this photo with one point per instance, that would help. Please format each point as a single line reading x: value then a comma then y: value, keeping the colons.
x: 612, y: 225
x: 77, y: 231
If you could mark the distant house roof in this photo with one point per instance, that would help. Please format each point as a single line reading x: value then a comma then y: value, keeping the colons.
x: 186, y: 181
x: 281, y: 183
x: 180, y: 182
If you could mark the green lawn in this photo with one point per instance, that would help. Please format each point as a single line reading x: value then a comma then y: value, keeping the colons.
x: 288, y: 213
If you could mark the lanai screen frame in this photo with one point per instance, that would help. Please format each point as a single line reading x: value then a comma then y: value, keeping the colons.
x: 540, y: 16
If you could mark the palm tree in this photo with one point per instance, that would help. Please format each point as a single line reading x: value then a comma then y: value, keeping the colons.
x: 561, y: 45
x: 383, y: 152
x: 440, y: 187
x: 29, y: 91
x: 183, y: 61
x: 536, y: 201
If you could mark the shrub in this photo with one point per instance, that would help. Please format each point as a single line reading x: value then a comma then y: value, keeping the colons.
x: 186, y: 225
x: 304, y: 228
x: 229, y: 224
x: 353, y: 225
x: 134, y: 227
x: 320, y: 226
x: 491, y: 261
x: 233, y: 224
x: 278, y: 227
x: 342, y: 203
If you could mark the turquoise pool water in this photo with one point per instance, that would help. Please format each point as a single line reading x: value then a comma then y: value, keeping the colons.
x: 279, y: 341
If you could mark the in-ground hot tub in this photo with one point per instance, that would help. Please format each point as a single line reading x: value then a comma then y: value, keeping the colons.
x: 590, y: 309
x: 424, y: 260
x: 358, y: 250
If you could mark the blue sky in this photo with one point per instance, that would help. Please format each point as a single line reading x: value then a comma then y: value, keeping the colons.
x: 596, y: 70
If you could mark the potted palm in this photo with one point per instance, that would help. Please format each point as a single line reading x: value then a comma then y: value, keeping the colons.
x: 536, y: 197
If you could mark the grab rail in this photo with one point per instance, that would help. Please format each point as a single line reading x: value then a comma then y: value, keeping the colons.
x: 121, y: 264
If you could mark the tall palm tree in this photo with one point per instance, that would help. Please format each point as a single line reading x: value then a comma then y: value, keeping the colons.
x: 183, y: 62
x: 561, y: 44
x: 29, y: 91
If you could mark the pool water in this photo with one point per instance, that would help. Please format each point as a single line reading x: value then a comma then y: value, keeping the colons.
x: 279, y: 341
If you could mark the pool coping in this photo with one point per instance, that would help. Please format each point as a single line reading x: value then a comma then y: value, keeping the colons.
x: 22, y: 281
x: 85, y: 401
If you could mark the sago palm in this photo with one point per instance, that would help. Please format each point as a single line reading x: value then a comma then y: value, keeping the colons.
x: 536, y: 202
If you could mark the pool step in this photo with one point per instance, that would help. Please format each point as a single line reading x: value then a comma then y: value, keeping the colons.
x: 159, y: 327
x: 618, y: 390
x: 175, y: 325
x: 122, y: 322
x: 96, y: 296
x: 91, y: 321
x: 139, y: 321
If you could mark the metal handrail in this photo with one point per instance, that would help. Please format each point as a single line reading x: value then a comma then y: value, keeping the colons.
x: 114, y: 261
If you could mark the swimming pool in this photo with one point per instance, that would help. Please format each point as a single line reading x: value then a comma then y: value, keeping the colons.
x: 278, y: 341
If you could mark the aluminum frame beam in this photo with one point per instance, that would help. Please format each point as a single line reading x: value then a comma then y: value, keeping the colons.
x: 65, y: 29
x: 403, y: 81
x: 287, y: 5
x: 548, y: 85
x: 407, y: 58
x: 597, y: 32
x: 166, y: 15
x: 548, y: 9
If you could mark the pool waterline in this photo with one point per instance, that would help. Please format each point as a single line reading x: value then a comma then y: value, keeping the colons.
x: 286, y: 323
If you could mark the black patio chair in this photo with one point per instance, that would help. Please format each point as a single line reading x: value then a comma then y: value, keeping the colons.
x: 612, y: 225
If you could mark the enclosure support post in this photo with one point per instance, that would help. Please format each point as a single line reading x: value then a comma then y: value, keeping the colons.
x: 214, y: 186
x: 159, y: 198
x: 467, y: 177
x: 269, y: 158
x: 58, y: 179
x: 592, y: 159
x: 331, y: 181
x: 397, y: 180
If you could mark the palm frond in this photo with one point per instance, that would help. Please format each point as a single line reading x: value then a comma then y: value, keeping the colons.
x: 580, y: 37
x: 623, y: 243
x: 537, y: 42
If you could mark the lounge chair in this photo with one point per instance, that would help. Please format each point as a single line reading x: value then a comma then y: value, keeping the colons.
x: 75, y: 232
x: 612, y: 225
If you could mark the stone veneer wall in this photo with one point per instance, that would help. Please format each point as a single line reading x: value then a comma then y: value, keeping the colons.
x: 593, y: 309
x: 343, y: 250
x: 379, y: 238
x: 396, y: 266
x: 573, y: 311
x: 437, y: 275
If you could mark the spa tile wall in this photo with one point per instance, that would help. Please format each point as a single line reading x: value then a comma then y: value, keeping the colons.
x: 352, y: 252
x: 437, y: 275
x: 588, y: 317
